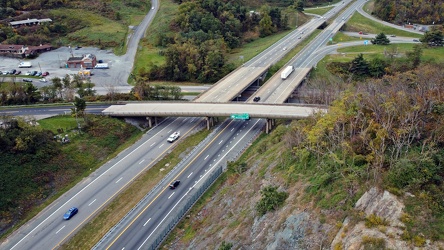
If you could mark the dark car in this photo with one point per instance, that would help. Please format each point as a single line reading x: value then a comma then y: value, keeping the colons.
x: 257, y: 98
x: 27, y: 80
x: 174, y: 184
x: 18, y: 72
x: 416, y: 40
x: 33, y: 73
x: 12, y: 72
x: 71, y: 212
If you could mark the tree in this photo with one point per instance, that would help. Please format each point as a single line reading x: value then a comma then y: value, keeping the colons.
x: 433, y: 37
x: 415, y: 56
x: 266, y: 26
x: 359, y: 67
x: 381, y: 39
x: 79, y: 106
x: 300, y: 5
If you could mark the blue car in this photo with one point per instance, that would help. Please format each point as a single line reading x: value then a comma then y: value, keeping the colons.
x: 71, y: 212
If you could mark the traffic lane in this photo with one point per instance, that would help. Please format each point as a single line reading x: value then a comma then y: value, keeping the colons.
x: 47, y: 227
x: 137, y: 234
x: 50, y: 110
x: 155, y: 211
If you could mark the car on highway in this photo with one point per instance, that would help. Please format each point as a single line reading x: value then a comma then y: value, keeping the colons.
x: 70, y: 213
x: 416, y: 40
x: 392, y: 36
x: 174, y: 136
x: 174, y: 184
x: 257, y: 98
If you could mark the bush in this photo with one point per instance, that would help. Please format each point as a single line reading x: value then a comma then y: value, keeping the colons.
x: 371, y: 243
x: 374, y: 220
x: 271, y: 200
x: 225, y: 245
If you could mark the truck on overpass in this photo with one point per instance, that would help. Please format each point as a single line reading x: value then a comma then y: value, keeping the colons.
x: 287, y: 71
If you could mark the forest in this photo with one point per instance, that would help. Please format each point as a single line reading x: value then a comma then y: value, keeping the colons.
x: 408, y: 11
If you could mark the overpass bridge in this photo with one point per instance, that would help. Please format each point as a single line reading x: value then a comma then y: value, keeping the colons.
x: 210, y: 110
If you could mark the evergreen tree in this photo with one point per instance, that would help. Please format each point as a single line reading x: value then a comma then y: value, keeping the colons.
x: 359, y: 67
x: 381, y: 39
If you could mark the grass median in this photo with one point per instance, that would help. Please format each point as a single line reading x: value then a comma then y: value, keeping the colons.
x: 94, y: 230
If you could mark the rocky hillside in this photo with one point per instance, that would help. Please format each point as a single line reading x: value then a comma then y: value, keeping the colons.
x: 366, y: 175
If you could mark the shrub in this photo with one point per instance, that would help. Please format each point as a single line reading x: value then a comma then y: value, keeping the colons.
x: 271, y: 199
x: 371, y: 243
x: 225, y: 245
x: 374, y: 220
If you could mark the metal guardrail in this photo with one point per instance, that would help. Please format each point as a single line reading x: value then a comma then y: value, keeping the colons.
x: 161, y: 183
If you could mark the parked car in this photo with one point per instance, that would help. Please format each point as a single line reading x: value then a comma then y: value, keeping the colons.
x: 174, y: 184
x: 5, y: 72
x: 46, y: 73
x: 12, y: 71
x: 416, y: 40
x: 70, y: 213
x: 33, y: 73
x: 392, y: 36
x: 28, y: 73
x: 18, y: 72
x: 38, y: 73
x: 27, y: 80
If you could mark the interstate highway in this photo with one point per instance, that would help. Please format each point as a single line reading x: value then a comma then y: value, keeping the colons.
x: 141, y: 231
x: 48, y: 230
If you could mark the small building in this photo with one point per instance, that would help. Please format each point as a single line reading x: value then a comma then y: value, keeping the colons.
x: 87, y: 61
x: 29, y: 22
x: 13, y: 50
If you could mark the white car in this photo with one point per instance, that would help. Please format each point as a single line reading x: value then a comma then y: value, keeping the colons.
x: 174, y: 136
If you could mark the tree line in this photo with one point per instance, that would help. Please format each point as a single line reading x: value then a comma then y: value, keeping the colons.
x: 202, y: 34
x: 407, y: 11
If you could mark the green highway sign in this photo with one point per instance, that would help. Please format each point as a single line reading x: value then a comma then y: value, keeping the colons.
x: 243, y: 116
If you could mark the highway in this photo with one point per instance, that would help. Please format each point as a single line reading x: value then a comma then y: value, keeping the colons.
x: 48, y: 230
x: 139, y: 233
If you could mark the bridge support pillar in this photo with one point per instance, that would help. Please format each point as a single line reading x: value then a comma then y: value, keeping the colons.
x: 269, y: 125
x: 151, y: 120
x: 210, y: 122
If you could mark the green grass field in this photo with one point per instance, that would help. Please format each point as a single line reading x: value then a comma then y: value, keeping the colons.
x: 360, y: 23
x: 318, y: 11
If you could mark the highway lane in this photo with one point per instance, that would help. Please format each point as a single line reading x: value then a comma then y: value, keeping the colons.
x: 49, y: 230
x: 141, y: 231
x: 50, y: 110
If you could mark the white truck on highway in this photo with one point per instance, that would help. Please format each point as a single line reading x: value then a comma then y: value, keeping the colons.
x: 286, y: 72
x: 25, y: 65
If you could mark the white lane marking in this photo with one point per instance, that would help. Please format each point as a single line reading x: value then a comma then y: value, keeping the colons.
x: 206, y: 157
x: 168, y: 214
x: 60, y: 229
x: 161, y: 145
x: 119, y: 179
x: 142, y: 161
x: 147, y: 222
x: 232, y: 130
x: 169, y: 131
x: 189, y: 175
x: 152, y: 144
x: 221, y: 142
x: 89, y: 184
x: 92, y: 202
x: 171, y: 195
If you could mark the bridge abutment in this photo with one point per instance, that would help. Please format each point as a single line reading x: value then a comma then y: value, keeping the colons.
x: 152, y: 119
x: 269, y: 125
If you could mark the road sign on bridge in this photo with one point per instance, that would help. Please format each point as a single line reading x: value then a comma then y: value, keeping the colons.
x: 243, y: 116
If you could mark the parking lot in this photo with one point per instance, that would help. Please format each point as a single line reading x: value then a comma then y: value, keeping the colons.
x: 55, y: 63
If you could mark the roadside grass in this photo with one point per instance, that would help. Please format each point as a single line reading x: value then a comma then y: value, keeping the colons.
x: 147, y: 54
x: 66, y: 123
x: 360, y: 23
x: 340, y: 37
x: 186, y: 224
x: 318, y: 11
x: 97, y: 30
x: 368, y: 7
x: 76, y: 142
x: 428, y: 54
x: 109, y: 215
x: 370, y: 52
x: 250, y: 50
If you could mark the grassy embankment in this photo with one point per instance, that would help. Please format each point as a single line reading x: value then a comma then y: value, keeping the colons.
x: 82, y: 161
x: 92, y: 232
x: 96, y: 30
